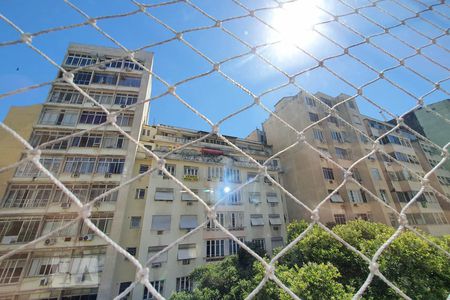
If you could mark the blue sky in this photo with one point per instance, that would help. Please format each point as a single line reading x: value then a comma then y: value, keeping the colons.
x: 213, y: 95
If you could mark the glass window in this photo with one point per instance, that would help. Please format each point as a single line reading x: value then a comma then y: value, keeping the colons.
x: 102, y: 78
x: 132, y: 81
x: 83, y: 78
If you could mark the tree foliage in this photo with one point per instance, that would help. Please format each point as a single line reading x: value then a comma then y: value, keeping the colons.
x: 320, y: 267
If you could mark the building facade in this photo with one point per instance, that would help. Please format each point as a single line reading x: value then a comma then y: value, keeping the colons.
x: 407, y: 160
x: 71, y: 263
x: 310, y: 177
x: 212, y: 170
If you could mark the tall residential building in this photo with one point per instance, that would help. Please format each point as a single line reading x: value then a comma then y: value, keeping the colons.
x: 310, y: 177
x: 427, y: 124
x: 73, y: 263
x: 212, y: 169
x: 429, y: 212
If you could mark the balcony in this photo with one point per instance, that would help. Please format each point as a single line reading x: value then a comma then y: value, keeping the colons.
x: 190, y: 178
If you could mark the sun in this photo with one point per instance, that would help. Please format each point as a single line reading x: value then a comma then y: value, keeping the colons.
x: 293, y: 24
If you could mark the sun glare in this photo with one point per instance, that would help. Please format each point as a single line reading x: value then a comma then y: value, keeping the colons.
x: 293, y: 24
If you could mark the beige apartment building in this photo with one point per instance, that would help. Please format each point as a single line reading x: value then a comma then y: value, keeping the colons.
x: 213, y: 170
x: 407, y: 159
x: 311, y: 177
x: 73, y: 263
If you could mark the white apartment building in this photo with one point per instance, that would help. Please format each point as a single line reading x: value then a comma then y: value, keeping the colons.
x: 212, y: 170
x: 71, y: 263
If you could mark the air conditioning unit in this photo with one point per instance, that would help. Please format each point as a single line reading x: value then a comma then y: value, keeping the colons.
x: 88, y: 237
x: 9, y: 239
x: 108, y: 175
x: 65, y: 205
x: 276, y: 228
x: 50, y: 241
x: 156, y: 265
x: 186, y: 261
x: 75, y: 174
x: 44, y: 281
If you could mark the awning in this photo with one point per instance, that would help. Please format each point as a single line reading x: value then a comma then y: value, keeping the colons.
x: 164, y: 195
x: 188, y: 222
x: 187, y: 252
x: 212, y: 151
x: 336, y: 198
x: 275, y: 220
x: 160, y: 222
x: 272, y: 199
x: 153, y: 250
x: 185, y: 196
x: 256, y: 220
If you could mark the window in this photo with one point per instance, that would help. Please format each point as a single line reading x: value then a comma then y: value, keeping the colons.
x: 114, y: 141
x: 318, y: 135
x: 342, y: 153
x: 336, y: 197
x: 232, y: 175
x: 339, y: 219
x: 59, y: 117
x: 102, y: 97
x: 188, y: 222
x: 259, y: 244
x: 74, y: 59
x: 234, y: 198
x: 110, y: 165
x: 236, y: 220
x: 128, y: 64
x: 21, y: 230
x: 132, y: 250
x: 40, y: 137
x: 79, y: 165
x: 334, y: 120
x: 337, y: 136
x: 29, y: 169
x: 405, y: 196
x: 187, y: 251
x: 215, y: 173
x: 125, y: 99
x: 215, y: 248
x: 384, y: 196
x: 125, y: 119
x: 99, y: 189
x: 140, y: 194
x: 83, y: 78
x: 277, y: 242
x: 313, y: 117
x: 399, y: 156
x: 161, y: 222
x: 92, y: 117
x: 79, y: 190
x: 89, y: 140
x: 159, y: 287
x: 143, y: 168
x: 23, y: 195
x: 184, y: 284
x: 131, y: 81
x: 162, y: 194
x: 101, y: 78
x: 272, y: 197
x: 355, y: 196
x: 233, y: 246
x: 275, y: 220
x: 364, y: 217
x: 12, y: 268
x: 220, y: 217
x: 190, y: 173
x: 328, y: 173
x: 356, y: 174
x: 310, y: 101
x: 152, y: 251
x: 135, y: 222
x: 375, y: 173
x: 351, y: 104
x: 102, y: 222
x: 66, y: 96
x: 170, y: 168
x: 123, y: 286
x: 254, y: 197
x: 251, y: 176
x: 185, y: 196
x: 256, y: 220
